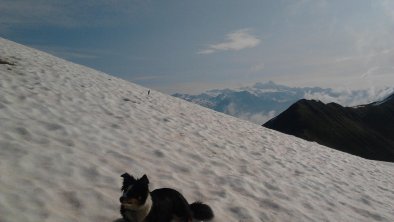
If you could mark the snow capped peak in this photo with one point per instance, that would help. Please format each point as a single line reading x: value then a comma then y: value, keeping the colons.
x: 68, y: 132
x: 388, y: 99
x: 269, y: 85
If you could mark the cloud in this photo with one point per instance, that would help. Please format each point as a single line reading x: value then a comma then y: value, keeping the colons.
x: 235, y: 41
x: 352, y: 97
x: 258, y: 118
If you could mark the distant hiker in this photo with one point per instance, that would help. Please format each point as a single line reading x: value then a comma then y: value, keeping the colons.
x: 148, y: 92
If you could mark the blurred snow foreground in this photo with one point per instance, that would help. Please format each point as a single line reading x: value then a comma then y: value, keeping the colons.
x: 68, y: 132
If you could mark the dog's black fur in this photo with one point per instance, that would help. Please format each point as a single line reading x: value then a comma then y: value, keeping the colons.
x: 164, y: 205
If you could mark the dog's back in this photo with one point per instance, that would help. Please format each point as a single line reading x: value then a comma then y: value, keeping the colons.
x: 168, y: 203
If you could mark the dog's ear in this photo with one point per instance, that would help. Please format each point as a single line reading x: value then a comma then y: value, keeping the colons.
x: 127, y: 181
x: 144, y: 179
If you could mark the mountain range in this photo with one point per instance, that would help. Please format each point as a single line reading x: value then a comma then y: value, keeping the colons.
x: 263, y: 101
x: 365, y: 130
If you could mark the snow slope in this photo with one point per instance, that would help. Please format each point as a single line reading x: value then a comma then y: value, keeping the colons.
x: 67, y: 132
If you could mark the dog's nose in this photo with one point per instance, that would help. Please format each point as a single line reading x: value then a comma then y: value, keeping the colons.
x: 121, y: 199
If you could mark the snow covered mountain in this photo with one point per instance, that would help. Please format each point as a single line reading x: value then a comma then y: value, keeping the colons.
x: 263, y: 101
x: 67, y: 132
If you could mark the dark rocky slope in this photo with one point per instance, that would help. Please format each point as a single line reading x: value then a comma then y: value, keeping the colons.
x: 366, y: 131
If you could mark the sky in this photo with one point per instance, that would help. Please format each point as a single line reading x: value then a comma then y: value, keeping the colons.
x: 191, y: 46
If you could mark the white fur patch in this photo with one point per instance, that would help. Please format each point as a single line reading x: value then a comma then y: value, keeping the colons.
x: 138, y: 213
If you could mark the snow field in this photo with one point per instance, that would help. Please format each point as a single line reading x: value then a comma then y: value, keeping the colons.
x: 68, y: 132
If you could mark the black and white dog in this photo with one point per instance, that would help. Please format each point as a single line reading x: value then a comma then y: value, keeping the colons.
x: 138, y: 204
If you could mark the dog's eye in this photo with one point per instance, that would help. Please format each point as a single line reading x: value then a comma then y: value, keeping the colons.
x: 139, y: 198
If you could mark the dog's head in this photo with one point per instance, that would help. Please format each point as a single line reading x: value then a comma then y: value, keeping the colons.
x: 135, y: 191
